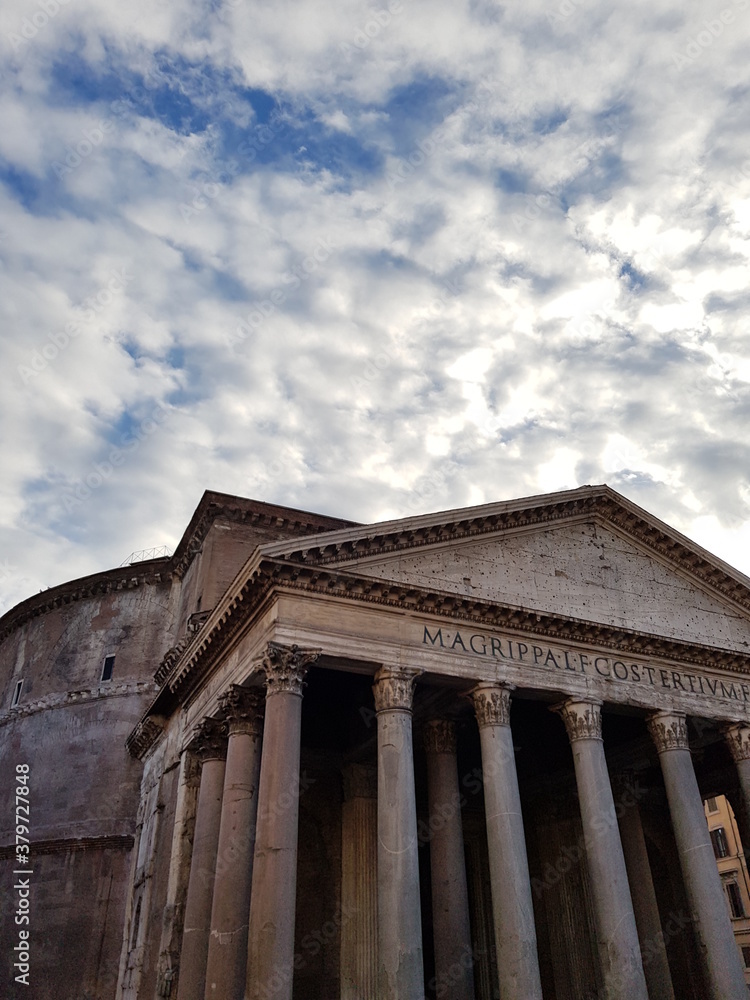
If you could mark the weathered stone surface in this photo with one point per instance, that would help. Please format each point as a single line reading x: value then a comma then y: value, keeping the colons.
x: 575, y: 597
x: 450, y: 895
x: 400, y: 970
x: 718, y: 951
x: 582, y: 570
x: 617, y: 936
x: 515, y: 932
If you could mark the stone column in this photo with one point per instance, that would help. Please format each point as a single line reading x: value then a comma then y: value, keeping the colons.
x: 617, y: 936
x: 179, y: 874
x: 717, y: 947
x: 400, y: 970
x: 454, y: 961
x: 226, y: 967
x: 270, y: 966
x: 645, y: 906
x: 359, y: 883
x: 210, y: 746
x: 738, y: 740
x: 513, y: 910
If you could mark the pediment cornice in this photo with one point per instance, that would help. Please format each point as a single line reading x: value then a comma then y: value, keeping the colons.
x: 598, y: 502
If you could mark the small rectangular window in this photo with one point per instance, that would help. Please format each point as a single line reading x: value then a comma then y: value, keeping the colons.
x: 735, y: 900
x: 719, y: 842
x: 109, y: 666
x: 746, y: 955
x: 17, y: 693
x: 712, y: 807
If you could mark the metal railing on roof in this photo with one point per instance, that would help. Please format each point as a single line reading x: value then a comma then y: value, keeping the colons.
x: 160, y: 552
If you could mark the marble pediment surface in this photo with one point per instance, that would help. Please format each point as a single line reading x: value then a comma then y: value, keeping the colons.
x: 583, y: 566
x: 582, y: 571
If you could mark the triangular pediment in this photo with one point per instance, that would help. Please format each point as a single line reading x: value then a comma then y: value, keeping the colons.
x: 587, y: 554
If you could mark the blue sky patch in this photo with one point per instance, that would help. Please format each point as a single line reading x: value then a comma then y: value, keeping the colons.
x: 634, y: 278
x: 22, y: 185
x: 175, y: 94
x: 510, y: 181
x: 546, y: 124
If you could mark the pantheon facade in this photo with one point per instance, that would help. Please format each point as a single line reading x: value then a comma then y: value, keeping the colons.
x: 460, y: 755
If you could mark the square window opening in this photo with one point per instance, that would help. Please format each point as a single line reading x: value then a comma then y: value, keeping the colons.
x: 16, y: 693
x: 108, y: 668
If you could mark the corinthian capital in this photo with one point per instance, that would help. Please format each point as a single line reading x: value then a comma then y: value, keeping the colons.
x: 738, y: 740
x: 439, y: 736
x: 492, y: 704
x: 242, y: 709
x: 394, y: 689
x: 583, y: 719
x: 285, y: 668
x: 210, y: 740
x: 668, y: 731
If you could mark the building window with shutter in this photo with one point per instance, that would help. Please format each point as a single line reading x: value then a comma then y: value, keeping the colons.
x: 719, y: 842
x: 735, y: 900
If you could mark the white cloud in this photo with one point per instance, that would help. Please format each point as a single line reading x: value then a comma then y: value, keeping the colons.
x: 535, y: 272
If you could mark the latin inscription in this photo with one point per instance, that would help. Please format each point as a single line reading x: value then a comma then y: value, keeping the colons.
x: 555, y: 658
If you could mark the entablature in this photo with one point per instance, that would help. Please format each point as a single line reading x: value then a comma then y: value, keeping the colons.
x: 447, y: 634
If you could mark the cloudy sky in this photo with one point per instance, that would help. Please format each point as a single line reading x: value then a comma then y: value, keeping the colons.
x: 368, y: 260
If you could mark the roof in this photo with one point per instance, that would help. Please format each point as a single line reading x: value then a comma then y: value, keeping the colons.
x: 326, y: 562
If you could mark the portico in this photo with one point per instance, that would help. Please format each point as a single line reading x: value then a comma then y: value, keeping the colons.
x: 422, y: 825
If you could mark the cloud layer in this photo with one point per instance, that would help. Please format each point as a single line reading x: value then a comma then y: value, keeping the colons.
x: 368, y: 260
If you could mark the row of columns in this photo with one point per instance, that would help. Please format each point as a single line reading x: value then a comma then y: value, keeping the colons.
x: 719, y: 953
x: 238, y: 937
x: 238, y: 940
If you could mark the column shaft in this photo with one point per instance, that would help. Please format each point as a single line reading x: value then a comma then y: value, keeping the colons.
x: 179, y: 874
x: 645, y: 906
x: 359, y: 884
x: 617, y: 935
x: 227, y: 949
x: 738, y: 739
x: 270, y: 966
x: 513, y: 910
x: 192, y: 971
x: 718, y: 949
x: 400, y: 969
x: 454, y: 960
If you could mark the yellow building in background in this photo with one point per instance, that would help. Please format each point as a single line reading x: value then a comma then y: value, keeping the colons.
x: 730, y: 859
